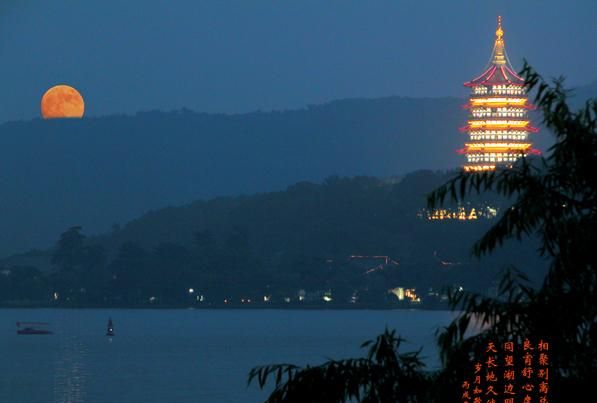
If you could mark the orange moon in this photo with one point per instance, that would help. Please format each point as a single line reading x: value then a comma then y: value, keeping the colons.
x: 62, y: 101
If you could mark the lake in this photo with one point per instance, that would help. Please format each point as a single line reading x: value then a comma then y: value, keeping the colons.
x: 183, y: 355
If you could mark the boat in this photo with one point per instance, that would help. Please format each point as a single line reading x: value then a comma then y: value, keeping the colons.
x: 26, y: 328
x: 110, y: 331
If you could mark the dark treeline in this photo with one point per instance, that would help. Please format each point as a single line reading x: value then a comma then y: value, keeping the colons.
x: 95, y: 172
x: 551, y: 199
x: 298, y: 245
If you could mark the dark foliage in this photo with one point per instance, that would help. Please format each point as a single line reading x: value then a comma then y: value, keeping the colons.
x: 274, y: 245
x: 384, y: 375
x: 554, y: 199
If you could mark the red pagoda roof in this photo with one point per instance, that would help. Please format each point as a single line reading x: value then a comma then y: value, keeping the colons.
x: 499, y: 71
x: 528, y: 128
x: 465, y: 151
x: 526, y: 105
x: 496, y: 75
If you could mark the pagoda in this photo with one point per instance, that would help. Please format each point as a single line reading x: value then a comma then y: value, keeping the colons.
x: 498, y: 125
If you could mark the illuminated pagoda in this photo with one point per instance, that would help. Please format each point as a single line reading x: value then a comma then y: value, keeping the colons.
x: 498, y: 125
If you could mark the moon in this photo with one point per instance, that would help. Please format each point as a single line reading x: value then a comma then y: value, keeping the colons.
x: 62, y: 101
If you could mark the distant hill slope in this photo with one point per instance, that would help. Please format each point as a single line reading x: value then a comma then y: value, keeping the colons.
x: 315, y: 237
x: 299, y: 229
x: 96, y: 172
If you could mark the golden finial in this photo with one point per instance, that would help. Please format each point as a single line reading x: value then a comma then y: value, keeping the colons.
x: 500, y: 32
x: 498, y: 47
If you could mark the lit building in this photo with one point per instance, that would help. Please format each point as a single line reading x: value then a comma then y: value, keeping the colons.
x: 405, y: 293
x: 498, y: 125
x: 411, y: 295
x: 460, y: 213
x: 398, y: 292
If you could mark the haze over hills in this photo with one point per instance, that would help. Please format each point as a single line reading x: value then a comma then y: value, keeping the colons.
x: 100, y: 171
x: 352, y: 239
x: 96, y: 172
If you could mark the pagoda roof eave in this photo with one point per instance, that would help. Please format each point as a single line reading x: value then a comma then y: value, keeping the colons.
x: 529, y: 128
x: 498, y: 125
x: 497, y: 75
x: 505, y: 150
x: 506, y: 103
x: 528, y: 151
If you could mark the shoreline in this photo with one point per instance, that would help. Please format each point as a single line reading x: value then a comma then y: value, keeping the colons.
x: 289, y: 307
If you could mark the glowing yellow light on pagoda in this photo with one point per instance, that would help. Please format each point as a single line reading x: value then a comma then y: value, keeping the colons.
x: 494, y: 146
x: 498, y: 123
x: 495, y: 102
x: 498, y: 126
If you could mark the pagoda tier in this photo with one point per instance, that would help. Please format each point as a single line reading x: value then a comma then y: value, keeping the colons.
x: 498, y: 125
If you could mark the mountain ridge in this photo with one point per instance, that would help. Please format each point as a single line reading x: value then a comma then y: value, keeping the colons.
x: 315, y: 237
x: 100, y: 171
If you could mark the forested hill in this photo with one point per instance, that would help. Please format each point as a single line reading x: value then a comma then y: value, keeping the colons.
x: 96, y: 172
x: 312, y: 237
x: 338, y: 218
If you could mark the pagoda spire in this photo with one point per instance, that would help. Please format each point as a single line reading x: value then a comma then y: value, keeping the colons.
x: 498, y: 126
x: 499, y: 51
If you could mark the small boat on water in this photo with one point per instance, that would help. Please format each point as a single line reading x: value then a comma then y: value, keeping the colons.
x: 110, y: 331
x: 26, y: 328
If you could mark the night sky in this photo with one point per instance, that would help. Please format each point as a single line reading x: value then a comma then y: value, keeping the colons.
x: 240, y: 56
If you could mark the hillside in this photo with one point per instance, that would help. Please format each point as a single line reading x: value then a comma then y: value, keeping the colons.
x: 312, y: 237
x: 97, y: 172
x: 100, y: 171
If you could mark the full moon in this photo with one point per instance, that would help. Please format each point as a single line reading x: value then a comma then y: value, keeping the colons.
x: 62, y: 101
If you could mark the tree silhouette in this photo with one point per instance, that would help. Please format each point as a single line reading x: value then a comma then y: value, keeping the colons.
x: 553, y: 198
x: 69, y: 249
x: 384, y: 375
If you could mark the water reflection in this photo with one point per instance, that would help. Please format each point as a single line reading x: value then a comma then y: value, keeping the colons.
x: 183, y: 356
x: 70, y: 372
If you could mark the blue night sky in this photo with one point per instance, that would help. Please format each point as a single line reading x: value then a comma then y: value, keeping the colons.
x: 243, y: 55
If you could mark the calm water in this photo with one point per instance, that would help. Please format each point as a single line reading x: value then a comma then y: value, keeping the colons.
x: 182, y: 355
